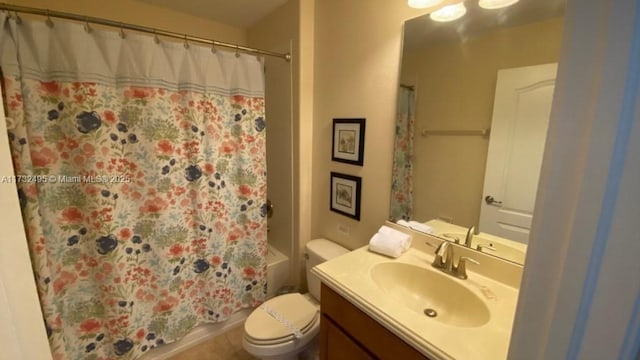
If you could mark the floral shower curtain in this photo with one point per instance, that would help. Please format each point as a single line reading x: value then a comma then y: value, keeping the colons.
x: 402, y: 170
x: 142, y: 179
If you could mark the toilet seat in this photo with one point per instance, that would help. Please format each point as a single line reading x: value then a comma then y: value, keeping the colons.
x: 262, y: 328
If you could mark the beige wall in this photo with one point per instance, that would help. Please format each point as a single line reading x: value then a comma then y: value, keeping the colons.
x: 304, y: 149
x: 293, y: 26
x: 357, y: 60
x: 279, y: 32
x: 455, y: 86
x: 130, y: 11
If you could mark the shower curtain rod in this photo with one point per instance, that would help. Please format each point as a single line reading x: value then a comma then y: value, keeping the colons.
x: 144, y: 29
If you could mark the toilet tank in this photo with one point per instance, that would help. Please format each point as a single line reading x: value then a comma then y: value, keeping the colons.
x: 316, y: 252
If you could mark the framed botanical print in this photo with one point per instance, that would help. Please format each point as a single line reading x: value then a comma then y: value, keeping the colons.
x: 348, y: 141
x: 345, y: 194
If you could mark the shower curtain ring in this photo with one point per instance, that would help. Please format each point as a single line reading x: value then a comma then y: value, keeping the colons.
x: 122, y: 34
x: 156, y: 39
x: 186, y: 44
x: 87, y: 28
x: 18, y: 19
x: 237, y: 51
x: 49, y: 22
x: 213, y: 47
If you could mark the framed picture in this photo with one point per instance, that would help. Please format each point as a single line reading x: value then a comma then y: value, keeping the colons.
x: 345, y: 194
x: 348, y: 141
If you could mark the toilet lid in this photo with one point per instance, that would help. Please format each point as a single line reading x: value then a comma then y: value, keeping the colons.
x: 293, y: 311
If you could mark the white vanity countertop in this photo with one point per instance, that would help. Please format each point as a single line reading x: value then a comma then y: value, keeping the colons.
x: 349, y: 275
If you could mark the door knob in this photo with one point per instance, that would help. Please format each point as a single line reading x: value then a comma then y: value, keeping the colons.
x: 491, y: 201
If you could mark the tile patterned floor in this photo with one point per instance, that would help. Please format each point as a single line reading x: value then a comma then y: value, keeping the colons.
x: 227, y: 346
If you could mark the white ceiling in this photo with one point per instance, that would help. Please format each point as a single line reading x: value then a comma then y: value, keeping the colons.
x: 238, y: 13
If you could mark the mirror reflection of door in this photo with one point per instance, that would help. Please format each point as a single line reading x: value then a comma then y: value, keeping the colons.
x: 522, y: 106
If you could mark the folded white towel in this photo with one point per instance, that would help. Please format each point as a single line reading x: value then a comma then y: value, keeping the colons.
x: 417, y: 226
x: 422, y: 227
x: 397, y: 235
x: 390, y: 242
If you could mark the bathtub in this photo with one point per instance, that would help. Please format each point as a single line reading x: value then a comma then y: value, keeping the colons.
x: 277, y: 271
x: 277, y: 276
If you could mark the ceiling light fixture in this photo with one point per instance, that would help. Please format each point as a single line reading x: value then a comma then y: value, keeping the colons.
x: 421, y: 4
x: 449, y: 13
x: 496, y: 4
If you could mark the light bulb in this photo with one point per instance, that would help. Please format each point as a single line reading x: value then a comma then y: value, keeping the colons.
x: 421, y: 4
x: 495, y: 4
x: 449, y: 13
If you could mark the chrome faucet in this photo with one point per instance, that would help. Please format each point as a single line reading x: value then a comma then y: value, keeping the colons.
x: 444, y: 261
x: 444, y: 257
x: 470, y: 232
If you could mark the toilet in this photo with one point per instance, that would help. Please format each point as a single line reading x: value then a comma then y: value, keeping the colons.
x: 287, y: 325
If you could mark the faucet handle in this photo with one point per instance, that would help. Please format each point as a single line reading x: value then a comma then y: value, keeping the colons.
x: 461, y: 269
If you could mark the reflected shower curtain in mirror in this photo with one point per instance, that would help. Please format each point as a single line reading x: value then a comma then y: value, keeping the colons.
x: 402, y: 171
x: 143, y: 183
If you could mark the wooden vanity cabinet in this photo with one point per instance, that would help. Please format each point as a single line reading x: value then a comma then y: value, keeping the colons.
x: 348, y: 333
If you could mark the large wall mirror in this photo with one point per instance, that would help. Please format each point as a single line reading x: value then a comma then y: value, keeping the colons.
x: 473, y: 112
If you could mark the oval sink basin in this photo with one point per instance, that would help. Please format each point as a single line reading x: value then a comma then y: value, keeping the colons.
x: 420, y: 289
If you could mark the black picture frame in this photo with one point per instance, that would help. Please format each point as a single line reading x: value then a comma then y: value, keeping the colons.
x: 345, y: 195
x: 347, y: 145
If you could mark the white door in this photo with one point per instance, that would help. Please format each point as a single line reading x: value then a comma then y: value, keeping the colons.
x: 521, y: 112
